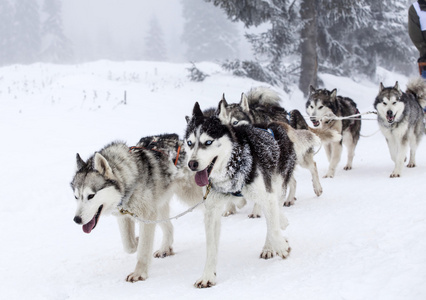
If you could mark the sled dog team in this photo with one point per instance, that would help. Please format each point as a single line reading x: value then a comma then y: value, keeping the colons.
x: 237, y: 152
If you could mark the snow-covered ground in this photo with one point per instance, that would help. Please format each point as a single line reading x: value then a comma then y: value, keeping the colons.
x: 363, y: 238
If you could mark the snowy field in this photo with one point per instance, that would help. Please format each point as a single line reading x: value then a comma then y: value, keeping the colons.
x: 363, y: 238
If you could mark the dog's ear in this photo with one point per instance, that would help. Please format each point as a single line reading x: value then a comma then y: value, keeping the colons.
x: 333, y: 95
x: 311, y: 90
x: 101, y: 165
x: 381, y: 87
x: 223, y: 100
x: 196, y: 111
x: 244, y: 103
x: 396, y: 87
x: 80, y: 162
x: 221, y: 111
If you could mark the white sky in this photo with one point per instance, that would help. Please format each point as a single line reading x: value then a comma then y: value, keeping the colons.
x: 126, y: 21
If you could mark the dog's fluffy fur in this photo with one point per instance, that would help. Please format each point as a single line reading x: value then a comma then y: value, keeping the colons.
x: 323, y: 104
x: 141, y: 180
x: 400, y: 118
x: 243, y: 160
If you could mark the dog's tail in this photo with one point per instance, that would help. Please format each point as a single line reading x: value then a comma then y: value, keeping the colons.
x: 326, y: 133
x: 417, y: 86
x: 263, y: 95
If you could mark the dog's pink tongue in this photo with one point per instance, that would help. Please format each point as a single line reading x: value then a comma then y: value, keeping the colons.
x: 87, y: 228
x: 202, y: 178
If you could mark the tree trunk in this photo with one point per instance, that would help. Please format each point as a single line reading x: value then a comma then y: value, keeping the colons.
x: 308, y: 47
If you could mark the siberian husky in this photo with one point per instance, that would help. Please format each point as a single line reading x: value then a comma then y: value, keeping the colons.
x: 141, y: 180
x: 323, y: 103
x: 400, y: 118
x: 239, y: 160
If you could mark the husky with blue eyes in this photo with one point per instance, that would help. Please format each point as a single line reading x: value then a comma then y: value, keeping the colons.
x: 400, y: 118
x: 324, y: 106
x: 141, y: 180
x: 241, y: 160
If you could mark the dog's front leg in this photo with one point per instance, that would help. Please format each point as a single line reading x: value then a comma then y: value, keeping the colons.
x: 399, y: 159
x: 212, y: 217
x: 336, y: 152
x: 167, y: 229
x: 127, y: 232
x: 145, y: 246
x: 275, y: 242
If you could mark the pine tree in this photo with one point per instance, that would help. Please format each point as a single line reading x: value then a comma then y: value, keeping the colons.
x: 56, y: 47
x: 155, y: 48
x: 208, y: 33
x: 26, y: 31
x: 339, y: 36
x: 6, y: 37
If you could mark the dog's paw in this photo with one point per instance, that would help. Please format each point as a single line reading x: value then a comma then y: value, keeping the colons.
x: 203, y: 283
x: 284, y: 253
x: 411, y: 165
x: 228, y: 213
x: 289, y: 202
x: 328, y: 175
x: 254, y: 216
x: 267, y: 253
x: 161, y: 253
x: 230, y: 209
x: 347, y: 168
x: 395, y: 175
x: 318, y: 191
x: 135, y: 276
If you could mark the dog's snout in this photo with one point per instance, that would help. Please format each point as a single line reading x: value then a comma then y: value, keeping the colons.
x: 193, y: 165
x: 77, y: 219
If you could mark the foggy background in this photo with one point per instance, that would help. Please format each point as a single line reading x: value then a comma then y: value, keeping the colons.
x: 279, y: 42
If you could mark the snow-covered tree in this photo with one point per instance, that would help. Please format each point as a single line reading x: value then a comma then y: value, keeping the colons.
x: 6, y: 36
x: 26, y: 31
x: 56, y: 47
x: 155, y: 48
x: 339, y: 36
x: 208, y: 34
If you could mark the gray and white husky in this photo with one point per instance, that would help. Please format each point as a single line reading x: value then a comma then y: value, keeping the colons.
x: 141, y: 180
x: 322, y: 104
x: 400, y: 118
x: 244, y: 160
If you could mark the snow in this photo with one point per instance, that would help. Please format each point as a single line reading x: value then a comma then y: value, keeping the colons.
x: 363, y: 238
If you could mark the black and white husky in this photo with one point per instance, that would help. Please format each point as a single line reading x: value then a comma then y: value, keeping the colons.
x: 140, y: 180
x: 400, y: 118
x: 322, y: 104
x: 239, y: 160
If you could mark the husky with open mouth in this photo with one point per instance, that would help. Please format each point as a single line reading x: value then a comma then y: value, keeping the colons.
x: 323, y: 104
x: 400, y: 118
x: 141, y: 180
x: 241, y: 160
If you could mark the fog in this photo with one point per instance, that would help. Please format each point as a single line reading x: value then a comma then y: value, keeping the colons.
x: 121, y: 25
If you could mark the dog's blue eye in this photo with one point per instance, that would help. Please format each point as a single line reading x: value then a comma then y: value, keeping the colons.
x: 235, y: 123
x: 189, y: 143
x: 208, y: 143
x: 90, y: 196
